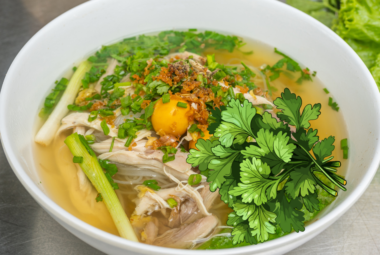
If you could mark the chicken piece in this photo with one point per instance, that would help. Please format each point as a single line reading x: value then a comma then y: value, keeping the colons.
x: 185, y: 55
x: 149, y: 201
x: 151, y: 231
x: 189, y: 213
x: 112, y: 63
x: 81, y: 119
x: 184, y: 236
x: 152, y: 161
x: 251, y: 97
x: 138, y: 143
x: 193, y: 193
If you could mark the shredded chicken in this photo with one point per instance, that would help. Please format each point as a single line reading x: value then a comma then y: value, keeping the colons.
x: 183, y: 236
x: 153, y: 161
x: 81, y: 119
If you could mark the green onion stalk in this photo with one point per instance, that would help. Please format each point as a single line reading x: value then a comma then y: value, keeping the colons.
x: 91, y: 167
x: 46, y: 134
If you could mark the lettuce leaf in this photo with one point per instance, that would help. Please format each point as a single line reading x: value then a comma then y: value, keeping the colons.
x: 360, y: 20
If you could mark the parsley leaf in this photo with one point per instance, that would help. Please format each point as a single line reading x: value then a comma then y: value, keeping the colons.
x: 301, y: 183
x: 275, y: 150
x: 256, y: 186
x: 237, y: 123
x: 203, y: 155
x: 288, y: 216
x: 324, y: 149
x: 227, y: 186
x: 260, y: 219
x: 290, y: 105
x: 219, y: 169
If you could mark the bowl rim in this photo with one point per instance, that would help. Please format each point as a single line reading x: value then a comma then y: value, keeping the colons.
x: 63, y: 216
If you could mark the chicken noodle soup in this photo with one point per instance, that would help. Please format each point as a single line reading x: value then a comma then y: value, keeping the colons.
x: 154, y: 139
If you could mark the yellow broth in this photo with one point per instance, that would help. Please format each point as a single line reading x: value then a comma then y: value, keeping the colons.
x: 59, y: 175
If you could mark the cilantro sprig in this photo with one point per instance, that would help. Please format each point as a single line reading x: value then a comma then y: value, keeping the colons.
x: 268, y: 181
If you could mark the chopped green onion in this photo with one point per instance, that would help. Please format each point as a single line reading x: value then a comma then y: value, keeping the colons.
x: 326, y: 91
x: 166, y: 98
x: 112, y: 143
x: 231, y: 92
x: 183, y: 149
x: 90, y: 139
x: 344, y: 147
x: 75, y: 68
x: 122, y: 84
x: 106, y: 129
x: 240, y: 96
x: 182, y: 104
x: 152, y: 184
x: 194, y: 179
x: 125, y: 111
x: 126, y: 101
x: 345, y: 153
x: 105, y: 113
x: 93, y: 115
x: 77, y: 159
x: 172, y: 202
x: 129, y: 141
x: 121, y: 133
x: 343, y: 143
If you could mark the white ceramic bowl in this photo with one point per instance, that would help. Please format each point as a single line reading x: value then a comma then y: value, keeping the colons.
x: 83, y: 29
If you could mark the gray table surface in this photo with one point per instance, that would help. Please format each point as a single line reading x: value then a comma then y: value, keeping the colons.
x: 25, y: 228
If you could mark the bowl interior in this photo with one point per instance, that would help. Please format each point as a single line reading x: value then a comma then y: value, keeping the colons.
x: 82, y: 30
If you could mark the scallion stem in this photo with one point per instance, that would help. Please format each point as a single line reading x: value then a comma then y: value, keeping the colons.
x: 91, y: 167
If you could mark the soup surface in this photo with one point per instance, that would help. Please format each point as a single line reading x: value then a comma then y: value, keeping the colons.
x: 60, y: 177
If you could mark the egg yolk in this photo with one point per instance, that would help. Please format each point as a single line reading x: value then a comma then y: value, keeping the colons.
x: 205, y: 137
x: 169, y: 118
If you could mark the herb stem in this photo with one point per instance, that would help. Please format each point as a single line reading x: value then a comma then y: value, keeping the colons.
x: 322, y: 170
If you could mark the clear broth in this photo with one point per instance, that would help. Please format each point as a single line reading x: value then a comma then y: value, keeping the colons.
x: 59, y: 175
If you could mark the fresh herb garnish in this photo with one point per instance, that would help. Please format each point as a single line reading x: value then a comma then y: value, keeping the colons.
x: 333, y: 104
x: 344, y: 147
x: 168, y: 150
x: 268, y: 181
x: 172, y: 202
x: 291, y: 65
x: 153, y: 184
x: 104, y: 126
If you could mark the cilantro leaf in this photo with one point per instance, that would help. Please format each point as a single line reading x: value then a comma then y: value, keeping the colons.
x: 202, y: 157
x: 216, y: 116
x: 267, y: 121
x: 260, y: 219
x: 288, y: 216
x: 306, y: 139
x: 255, y: 184
x: 237, y: 122
x: 224, y: 190
x: 275, y: 150
x: 311, y: 202
x: 229, y: 133
x: 219, y: 169
x: 290, y: 105
x: 324, y: 149
x: 222, y: 151
x: 301, y: 183
x: 241, y: 229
